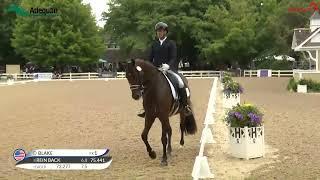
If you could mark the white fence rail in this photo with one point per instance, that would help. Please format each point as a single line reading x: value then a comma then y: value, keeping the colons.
x: 23, y: 76
x: 93, y: 75
x: 201, y: 73
x: 88, y: 75
x: 271, y: 73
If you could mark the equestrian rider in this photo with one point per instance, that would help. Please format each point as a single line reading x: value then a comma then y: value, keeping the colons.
x: 164, y: 56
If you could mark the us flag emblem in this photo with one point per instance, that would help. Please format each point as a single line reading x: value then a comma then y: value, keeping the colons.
x: 19, y: 154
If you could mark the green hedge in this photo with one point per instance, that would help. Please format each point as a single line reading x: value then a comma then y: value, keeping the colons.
x: 312, y: 85
x: 274, y: 64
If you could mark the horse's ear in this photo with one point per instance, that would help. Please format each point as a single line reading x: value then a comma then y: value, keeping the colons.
x: 133, y: 61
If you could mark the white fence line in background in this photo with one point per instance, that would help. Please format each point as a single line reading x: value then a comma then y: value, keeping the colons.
x: 274, y: 73
x: 19, y: 76
x: 278, y: 73
x: 187, y: 74
x: 92, y: 75
x: 201, y: 73
x: 201, y: 167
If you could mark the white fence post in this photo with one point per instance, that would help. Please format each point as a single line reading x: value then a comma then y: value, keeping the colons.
x: 89, y: 75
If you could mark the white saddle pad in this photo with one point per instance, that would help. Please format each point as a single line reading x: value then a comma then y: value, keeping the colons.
x: 173, y: 91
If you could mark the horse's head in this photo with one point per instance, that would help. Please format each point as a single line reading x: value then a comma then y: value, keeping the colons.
x: 134, y: 75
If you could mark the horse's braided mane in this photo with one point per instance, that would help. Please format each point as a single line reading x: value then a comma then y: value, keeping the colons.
x: 147, y: 67
x: 144, y: 63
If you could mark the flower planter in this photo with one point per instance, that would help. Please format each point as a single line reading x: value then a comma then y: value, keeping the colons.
x: 232, y: 100
x: 246, y: 142
x: 302, y: 88
x: 10, y: 82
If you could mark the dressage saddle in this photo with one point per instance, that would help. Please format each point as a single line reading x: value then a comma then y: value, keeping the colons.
x: 177, y: 93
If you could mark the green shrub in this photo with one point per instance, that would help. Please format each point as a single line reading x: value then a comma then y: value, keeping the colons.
x: 274, y: 64
x: 292, y: 85
x: 312, y: 85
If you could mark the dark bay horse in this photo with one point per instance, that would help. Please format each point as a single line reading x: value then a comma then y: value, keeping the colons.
x: 147, y: 81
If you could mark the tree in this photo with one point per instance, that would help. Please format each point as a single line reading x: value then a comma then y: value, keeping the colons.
x: 216, y: 32
x: 131, y: 23
x: 7, y: 22
x: 233, y: 25
x: 69, y: 38
x: 245, y: 30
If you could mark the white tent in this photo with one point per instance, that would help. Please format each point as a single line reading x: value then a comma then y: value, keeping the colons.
x: 102, y: 60
x: 279, y: 58
x: 284, y: 57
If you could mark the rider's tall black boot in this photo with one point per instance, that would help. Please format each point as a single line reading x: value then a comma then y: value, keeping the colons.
x: 184, y: 101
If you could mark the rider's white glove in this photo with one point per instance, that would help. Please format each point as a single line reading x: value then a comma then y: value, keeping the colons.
x: 165, y: 67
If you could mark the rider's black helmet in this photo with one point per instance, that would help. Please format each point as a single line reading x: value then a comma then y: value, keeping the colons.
x: 161, y: 25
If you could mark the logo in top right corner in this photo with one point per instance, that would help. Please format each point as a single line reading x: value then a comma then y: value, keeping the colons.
x: 313, y: 6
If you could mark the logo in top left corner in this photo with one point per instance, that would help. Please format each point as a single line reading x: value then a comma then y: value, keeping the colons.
x: 19, y: 154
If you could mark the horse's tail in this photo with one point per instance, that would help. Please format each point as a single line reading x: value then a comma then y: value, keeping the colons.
x: 190, y: 125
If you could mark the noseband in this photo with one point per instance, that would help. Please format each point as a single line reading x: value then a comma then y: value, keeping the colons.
x: 138, y: 86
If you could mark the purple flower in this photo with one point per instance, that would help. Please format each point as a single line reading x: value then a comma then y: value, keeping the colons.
x: 254, y: 118
x: 238, y: 115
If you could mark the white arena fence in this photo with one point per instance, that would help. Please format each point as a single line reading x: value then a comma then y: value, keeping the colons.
x: 268, y: 73
x: 92, y: 75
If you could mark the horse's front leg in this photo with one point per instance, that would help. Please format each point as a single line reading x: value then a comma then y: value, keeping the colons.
x: 165, y: 129
x: 149, y: 119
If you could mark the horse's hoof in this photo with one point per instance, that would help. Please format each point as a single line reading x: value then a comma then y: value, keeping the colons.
x: 181, y: 146
x: 164, y: 163
x: 152, y: 155
x: 181, y: 143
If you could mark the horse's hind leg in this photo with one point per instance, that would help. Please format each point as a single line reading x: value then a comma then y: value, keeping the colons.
x: 148, y: 123
x: 182, y: 128
x: 169, y: 149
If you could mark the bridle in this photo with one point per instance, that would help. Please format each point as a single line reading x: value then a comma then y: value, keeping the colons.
x: 139, y: 86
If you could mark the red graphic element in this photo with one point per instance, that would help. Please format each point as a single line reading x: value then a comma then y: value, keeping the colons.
x: 313, y: 6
